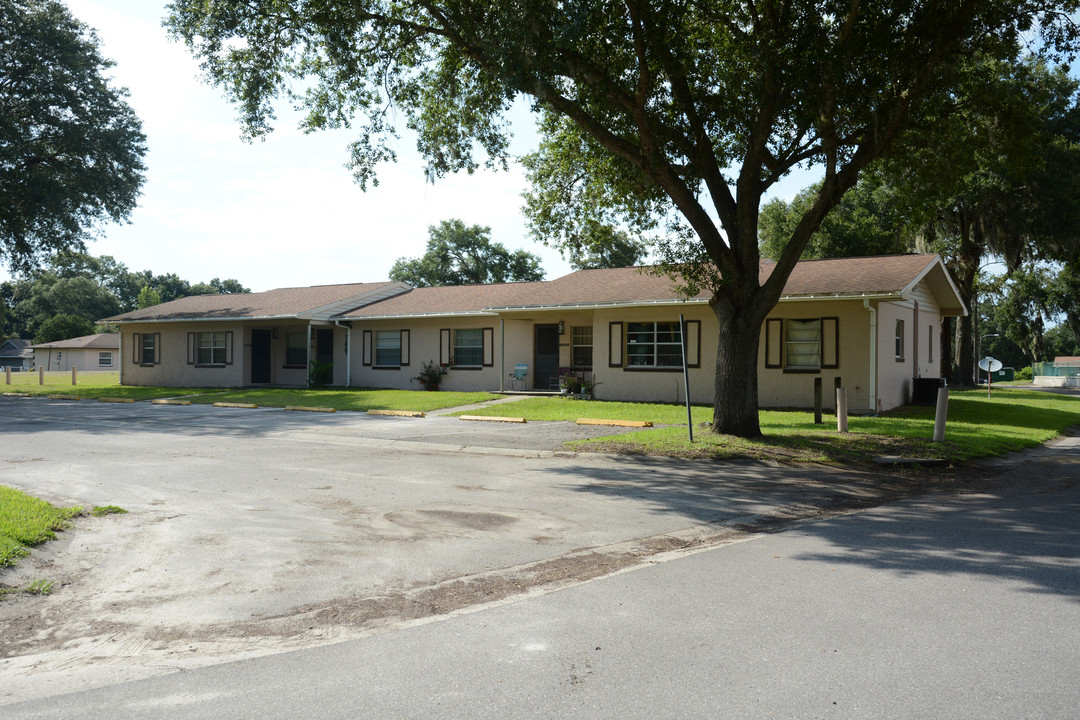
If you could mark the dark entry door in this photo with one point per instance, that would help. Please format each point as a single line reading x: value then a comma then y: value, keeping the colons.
x: 324, y: 346
x: 260, y: 356
x: 546, y: 358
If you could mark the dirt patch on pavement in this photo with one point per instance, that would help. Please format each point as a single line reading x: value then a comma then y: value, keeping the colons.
x: 49, y: 640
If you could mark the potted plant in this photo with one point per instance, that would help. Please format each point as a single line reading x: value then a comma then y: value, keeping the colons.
x: 568, y: 384
x: 431, y: 374
x: 587, y: 388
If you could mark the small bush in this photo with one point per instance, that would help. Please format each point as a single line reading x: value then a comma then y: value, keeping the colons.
x: 431, y: 374
x: 1024, y: 373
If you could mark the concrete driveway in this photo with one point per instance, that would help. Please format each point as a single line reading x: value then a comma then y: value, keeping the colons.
x: 250, y: 532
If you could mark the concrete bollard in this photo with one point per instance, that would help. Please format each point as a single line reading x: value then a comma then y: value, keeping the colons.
x: 940, y: 414
x: 41, y: 376
x: 74, y: 375
x: 841, y: 410
x: 817, y: 401
x: 7, y: 374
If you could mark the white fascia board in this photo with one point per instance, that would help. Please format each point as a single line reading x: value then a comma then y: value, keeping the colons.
x: 406, y: 316
x: 242, y: 318
x: 595, y: 306
x: 840, y: 296
x: 938, y: 263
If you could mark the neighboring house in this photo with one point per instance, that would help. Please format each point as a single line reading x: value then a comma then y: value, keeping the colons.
x: 16, y: 354
x: 89, y: 352
x: 869, y: 324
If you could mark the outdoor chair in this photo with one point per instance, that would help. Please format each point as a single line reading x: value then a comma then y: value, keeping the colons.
x: 519, y: 379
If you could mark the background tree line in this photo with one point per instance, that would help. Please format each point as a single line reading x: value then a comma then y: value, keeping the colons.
x: 72, y: 290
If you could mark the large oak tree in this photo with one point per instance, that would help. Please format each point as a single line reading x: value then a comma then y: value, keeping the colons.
x: 682, y: 112
x: 71, y: 147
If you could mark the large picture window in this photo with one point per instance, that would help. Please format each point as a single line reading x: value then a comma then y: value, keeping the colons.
x: 469, y: 348
x: 581, y: 347
x: 653, y: 344
x: 211, y: 348
x: 388, y: 348
x: 296, y: 349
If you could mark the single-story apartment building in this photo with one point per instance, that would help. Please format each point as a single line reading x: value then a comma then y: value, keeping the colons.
x: 89, y: 352
x: 869, y: 324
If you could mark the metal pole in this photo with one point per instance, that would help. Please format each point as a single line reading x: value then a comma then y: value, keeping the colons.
x: 817, y: 401
x: 686, y: 376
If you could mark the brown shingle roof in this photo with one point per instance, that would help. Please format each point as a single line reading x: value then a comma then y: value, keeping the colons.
x: 283, y: 302
x: 101, y: 341
x: 869, y: 275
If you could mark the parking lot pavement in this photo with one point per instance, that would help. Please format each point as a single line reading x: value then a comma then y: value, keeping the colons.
x: 254, y: 531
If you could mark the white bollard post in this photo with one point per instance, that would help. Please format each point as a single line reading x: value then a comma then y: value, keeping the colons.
x: 940, y: 414
x: 841, y: 410
x: 41, y: 375
x: 74, y: 375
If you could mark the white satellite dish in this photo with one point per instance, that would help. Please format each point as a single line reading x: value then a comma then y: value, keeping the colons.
x: 989, y: 364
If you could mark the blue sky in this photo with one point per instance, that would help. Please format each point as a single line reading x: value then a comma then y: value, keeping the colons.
x: 285, y: 211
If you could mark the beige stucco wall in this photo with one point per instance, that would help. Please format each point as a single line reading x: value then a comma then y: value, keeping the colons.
x: 85, y: 359
x: 174, y: 370
x: 777, y: 388
x: 424, y: 339
x: 652, y: 385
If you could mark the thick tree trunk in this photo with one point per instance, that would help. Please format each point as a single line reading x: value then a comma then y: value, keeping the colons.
x: 963, y: 354
x: 735, y: 403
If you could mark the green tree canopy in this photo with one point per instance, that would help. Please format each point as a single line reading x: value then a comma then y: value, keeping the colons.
x: 867, y: 221
x: 63, y: 327
x: 148, y: 297
x: 71, y: 147
x: 653, y: 113
x: 465, y: 255
x: 605, y: 247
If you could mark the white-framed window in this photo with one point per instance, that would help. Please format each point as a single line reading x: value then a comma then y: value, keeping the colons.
x: 653, y: 344
x: 802, y: 344
x: 468, y: 347
x: 899, y: 339
x: 104, y: 358
x: 581, y: 346
x: 387, y: 348
x: 210, y: 348
x: 296, y: 349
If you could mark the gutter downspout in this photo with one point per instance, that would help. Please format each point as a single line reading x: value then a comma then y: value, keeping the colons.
x: 120, y: 353
x: 348, y: 352
x: 873, y: 355
x: 502, y: 354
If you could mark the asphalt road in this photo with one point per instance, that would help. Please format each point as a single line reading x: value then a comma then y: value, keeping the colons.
x: 951, y: 605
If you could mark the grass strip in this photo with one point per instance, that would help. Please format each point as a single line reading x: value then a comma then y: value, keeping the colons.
x: 354, y: 399
x: 26, y: 521
x: 1013, y: 419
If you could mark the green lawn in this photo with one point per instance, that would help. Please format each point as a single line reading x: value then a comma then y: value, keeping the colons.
x: 359, y: 399
x: 1013, y: 419
x: 91, y: 385
x: 96, y: 385
x: 26, y: 521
